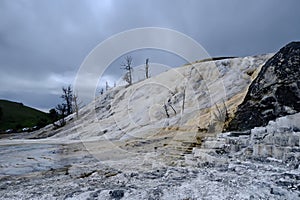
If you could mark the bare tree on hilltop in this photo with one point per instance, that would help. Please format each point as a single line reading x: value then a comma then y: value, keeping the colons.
x: 147, y: 68
x: 127, y: 66
x: 106, y: 86
x: 76, y: 105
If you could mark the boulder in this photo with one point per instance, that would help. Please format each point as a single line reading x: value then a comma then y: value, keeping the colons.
x: 274, y: 93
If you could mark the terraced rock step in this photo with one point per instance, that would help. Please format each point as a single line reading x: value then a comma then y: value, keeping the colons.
x: 180, y: 149
x: 280, y: 141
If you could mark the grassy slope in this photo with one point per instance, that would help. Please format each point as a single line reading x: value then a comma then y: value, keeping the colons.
x: 16, y: 116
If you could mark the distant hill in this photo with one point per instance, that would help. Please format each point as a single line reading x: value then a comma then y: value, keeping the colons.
x: 16, y: 116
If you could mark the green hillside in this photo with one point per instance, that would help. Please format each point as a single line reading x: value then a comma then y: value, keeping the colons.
x: 17, y: 116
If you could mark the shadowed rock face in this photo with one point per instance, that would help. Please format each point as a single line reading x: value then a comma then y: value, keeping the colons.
x: 274, y: 93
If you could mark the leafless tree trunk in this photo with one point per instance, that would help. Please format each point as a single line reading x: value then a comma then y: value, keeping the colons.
x: 183, y: 101
x: 147, y: 68
x: 76, y: 107
x: 166, y: 110
x: 106, y: 86
x: 170, y: 104
x: 222, y: 113
x: 68, y: 98
x: 128, y: 68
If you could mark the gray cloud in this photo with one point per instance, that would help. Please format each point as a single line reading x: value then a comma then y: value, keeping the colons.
x: 43, y: 43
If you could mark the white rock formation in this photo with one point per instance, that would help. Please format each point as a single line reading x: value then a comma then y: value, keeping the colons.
x: 138, y: 110
x: 124, y: 146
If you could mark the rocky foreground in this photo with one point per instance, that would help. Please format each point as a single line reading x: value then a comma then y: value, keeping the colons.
x: 262, y: 164
x: 139, y: 142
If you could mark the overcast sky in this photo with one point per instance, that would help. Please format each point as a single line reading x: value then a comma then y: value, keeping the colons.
x: 44, y: 42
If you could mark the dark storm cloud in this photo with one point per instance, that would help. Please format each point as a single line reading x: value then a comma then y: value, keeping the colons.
x: 43, y: 43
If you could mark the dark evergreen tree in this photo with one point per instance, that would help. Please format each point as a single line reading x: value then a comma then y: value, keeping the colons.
x: 62, y: 113
x: 53, y: 114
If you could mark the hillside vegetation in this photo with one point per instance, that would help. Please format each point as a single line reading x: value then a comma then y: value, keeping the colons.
x: 16, y: 116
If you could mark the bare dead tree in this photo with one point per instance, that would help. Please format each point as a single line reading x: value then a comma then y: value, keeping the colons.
x: 170, y: 104
x: 183, y: 100
x: 106, y: 86
x: 67, y: 96
x: 222, y: 113
x: 127, y: 66
x: 225, y: 110
x: 76, y: 106
x: 147, y: 68
x: 166, y: 110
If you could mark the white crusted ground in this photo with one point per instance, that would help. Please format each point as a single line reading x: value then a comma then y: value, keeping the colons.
x: 124, y: 145
x: 231, y: 175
